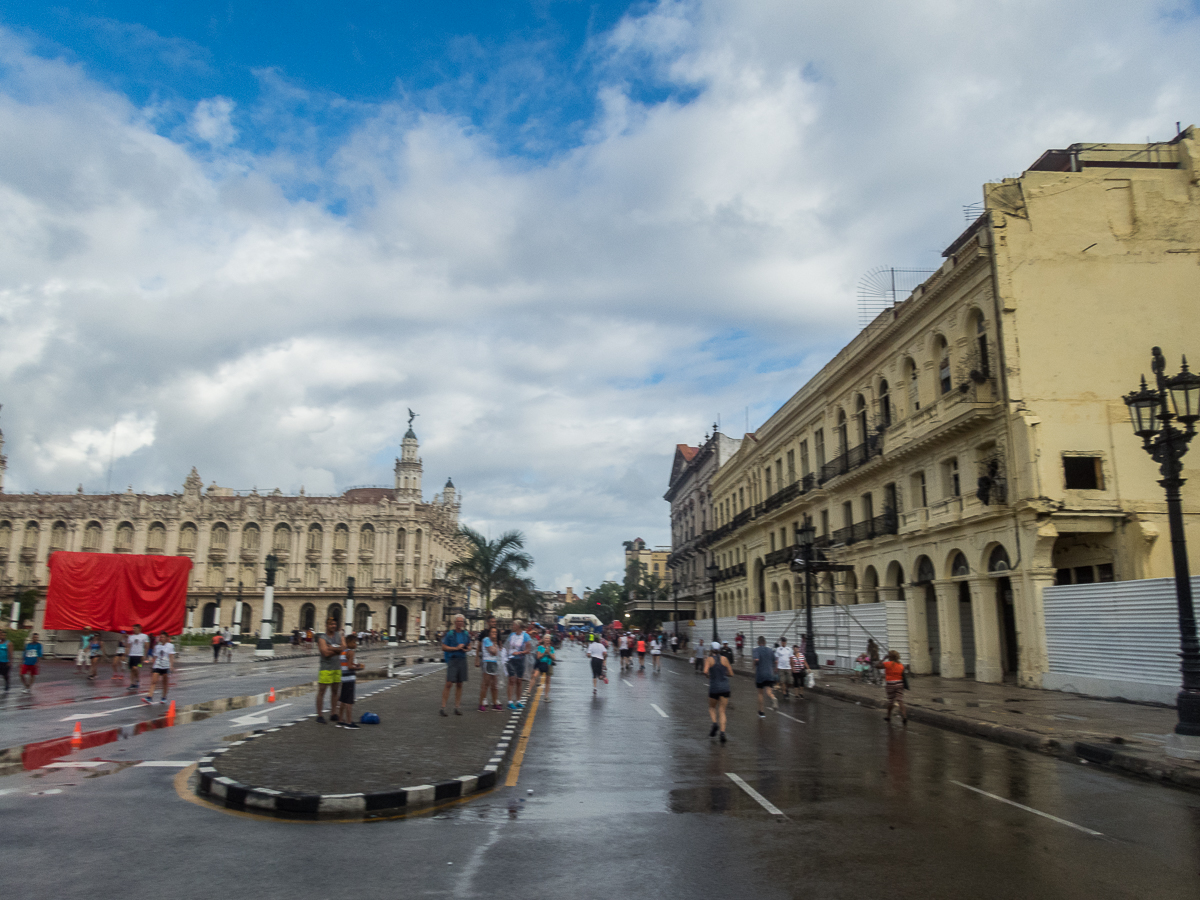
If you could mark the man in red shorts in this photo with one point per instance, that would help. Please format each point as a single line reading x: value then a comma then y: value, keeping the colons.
x: 29, y: 661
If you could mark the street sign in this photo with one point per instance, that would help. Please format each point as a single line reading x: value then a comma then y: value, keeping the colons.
x: 752, y: 618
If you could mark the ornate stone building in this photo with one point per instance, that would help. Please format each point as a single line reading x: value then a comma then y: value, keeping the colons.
x: 394, y: 544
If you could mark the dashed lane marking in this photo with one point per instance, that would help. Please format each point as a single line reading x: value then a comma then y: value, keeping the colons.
x: 627, y: 681
x: 76, y: 764
x: 762, y: 801
x: 164, y: 764
x: 658, y: 710
x: 1036, y: 812
x: 786, y: 716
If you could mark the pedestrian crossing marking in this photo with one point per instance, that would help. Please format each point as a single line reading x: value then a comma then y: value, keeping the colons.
x: 762, y: 801
x: 658, y: 710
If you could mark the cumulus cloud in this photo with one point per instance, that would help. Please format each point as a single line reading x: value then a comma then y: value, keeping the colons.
x: 559, y: 321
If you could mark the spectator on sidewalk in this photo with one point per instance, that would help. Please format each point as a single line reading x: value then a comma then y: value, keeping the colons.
x: 6, y: 650
x: 544, y: 654
x: 29, y: 661
x: 517, y: 650
x: 492, y: 665
x: 764, y: 675
x: 783, y: 666
x: 893, y: 683
x: 329, y: 669
x: 799, y: 666
x: 455, y: 645
x: 740, y: 641
x: 348, y: 661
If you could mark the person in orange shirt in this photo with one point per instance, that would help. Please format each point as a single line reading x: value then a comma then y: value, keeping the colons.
x: 893, y: 683
x: 641, y: 651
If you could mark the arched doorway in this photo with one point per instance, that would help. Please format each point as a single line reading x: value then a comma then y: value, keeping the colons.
x: 760, y: 580
x: 277, y: 617
x: 959, y: 568
x: 998, y: 564
x: 925, y: 576
x: 208, y: 617
x: 401, y: 621
x: 334, y: 612
x: 362, y: 612
x: 308, y: 616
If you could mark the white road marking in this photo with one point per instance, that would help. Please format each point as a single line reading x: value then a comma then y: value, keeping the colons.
x: 87, y: 764
x: 1036, y: 812
x: 97, y: 715
x: 786, y: 716
x: 165, y: 764
x: 630, y: 683
x: 658, y: 710
x: 762, y: 801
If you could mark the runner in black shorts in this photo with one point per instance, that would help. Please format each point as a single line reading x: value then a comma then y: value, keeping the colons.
x: 718, y: 670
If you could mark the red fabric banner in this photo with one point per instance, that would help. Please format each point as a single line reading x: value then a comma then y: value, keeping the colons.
x: 115, y: 591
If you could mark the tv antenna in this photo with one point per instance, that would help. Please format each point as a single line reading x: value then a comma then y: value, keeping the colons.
x: 885, y: 286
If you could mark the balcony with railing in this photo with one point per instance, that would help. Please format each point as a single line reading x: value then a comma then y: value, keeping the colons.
x: 868, y: 529
x: 852, y: 458
x: 737, y: 570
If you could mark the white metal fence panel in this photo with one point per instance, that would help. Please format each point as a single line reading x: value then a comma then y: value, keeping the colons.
x: 1118, y: 639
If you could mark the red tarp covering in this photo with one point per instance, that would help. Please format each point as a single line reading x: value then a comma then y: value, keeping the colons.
x: 115, y: 591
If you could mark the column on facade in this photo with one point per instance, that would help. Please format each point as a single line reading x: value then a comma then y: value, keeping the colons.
x: 949, y: 629
x: 1032, y: 658
x: 985, y: 613
x: 918, y: 624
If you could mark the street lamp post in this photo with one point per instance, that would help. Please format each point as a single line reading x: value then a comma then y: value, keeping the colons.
x: 348, y: 612
x: 392, y: 614
x: 14, y: 614
x: 714, y: 572
x: 1153, y: 412
x: 265, y: 646
x: 808, y: 563
x: 237, y: 616
x: 217, y: 612
x: 675, y: 585
x: 191, y: 611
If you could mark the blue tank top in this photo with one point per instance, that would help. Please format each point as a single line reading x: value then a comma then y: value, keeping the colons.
x: 718, y: 676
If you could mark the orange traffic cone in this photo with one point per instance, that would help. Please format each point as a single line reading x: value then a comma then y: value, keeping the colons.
x: 171, y: 713
x: 77, y: 735
x: 271, y: 696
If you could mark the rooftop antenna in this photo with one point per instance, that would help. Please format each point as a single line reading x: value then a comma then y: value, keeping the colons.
x: 883, y: 287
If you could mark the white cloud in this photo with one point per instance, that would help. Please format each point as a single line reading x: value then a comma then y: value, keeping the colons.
x: 560, y: 324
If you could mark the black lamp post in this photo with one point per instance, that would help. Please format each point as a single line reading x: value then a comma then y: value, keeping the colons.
x: 713, y: 572
x: 192, y: 603
x: 237, y: 617
x: 265, y: 645
x: 14, y: 612
x: 217, y: 612
x: 809, y: 562
x: 394, y: 615
x: 675, y: 586
x: 1153, y: 413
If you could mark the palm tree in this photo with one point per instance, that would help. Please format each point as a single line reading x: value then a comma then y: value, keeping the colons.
x: 492, y: 565
x: 520, y: 595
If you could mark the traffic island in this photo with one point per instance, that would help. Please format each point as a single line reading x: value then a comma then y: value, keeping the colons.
x: 414, y: 759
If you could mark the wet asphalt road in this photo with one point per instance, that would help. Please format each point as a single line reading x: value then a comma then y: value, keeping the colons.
x: 631, y: 798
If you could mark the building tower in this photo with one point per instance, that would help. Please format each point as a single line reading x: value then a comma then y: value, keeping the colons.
x: 449, y: 494
x: 408, y: 469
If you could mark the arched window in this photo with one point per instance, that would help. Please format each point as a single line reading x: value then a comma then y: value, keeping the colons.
x: 959, y: 566
x: 925, y: 572
x: 334, y: 612
x: 219, y: 536
x: 33, y: 531
x: 361, y: 612
x: 942, y: 355
x: 981, y: 366
x: 251, y: 537
x: 208, y: 616
x: 124, y: 541
x: 341, y: 537
x: 860, y: 415
x: 308, y: 616
x: 5, y: 535
x: 401, y: 537
x: 914, y: 385
x: 366, y: 539
x: 312, y: 575
x: 187, y: 537
x: 58, y: 536
x: 283, y: 537
x: 417, y: 543
x: 91, y: 536
x: 316, y: 537
x: 156, y: 538
x: 277, y: 618
x: 870, y: 584
x: 843, y: 433
x: 885, y: 404
x: 998, y: 560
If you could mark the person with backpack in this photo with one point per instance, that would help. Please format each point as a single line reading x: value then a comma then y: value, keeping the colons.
x: 893, y: 682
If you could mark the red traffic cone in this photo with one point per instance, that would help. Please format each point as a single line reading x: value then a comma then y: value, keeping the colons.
x: 77, y: 735
x: 271, y: 696
x: 171, y: 713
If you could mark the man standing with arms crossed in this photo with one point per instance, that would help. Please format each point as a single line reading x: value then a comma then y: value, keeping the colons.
x: 329, y: 668
x: 455, y: 644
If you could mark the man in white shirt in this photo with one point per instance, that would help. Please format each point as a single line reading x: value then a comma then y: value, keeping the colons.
x: 135, y: 645
x: 783, y: 666
x: 597, y: 653
x: 516, y: 649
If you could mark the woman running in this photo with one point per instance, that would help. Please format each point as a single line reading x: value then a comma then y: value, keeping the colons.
x: 718, y: 670
x: 656, y: 652
x: 544, y: 654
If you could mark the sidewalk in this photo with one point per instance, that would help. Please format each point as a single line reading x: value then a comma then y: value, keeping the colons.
x: 1130, y: 737
x: 413, y: 758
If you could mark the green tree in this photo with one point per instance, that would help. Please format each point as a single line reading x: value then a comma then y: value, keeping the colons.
x: 492, y: 565
x: 520, y: 595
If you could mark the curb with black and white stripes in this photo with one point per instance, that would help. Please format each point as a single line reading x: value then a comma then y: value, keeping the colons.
x: 295, y: 805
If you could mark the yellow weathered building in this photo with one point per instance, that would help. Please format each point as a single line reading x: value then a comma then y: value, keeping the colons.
x: 970, y: 446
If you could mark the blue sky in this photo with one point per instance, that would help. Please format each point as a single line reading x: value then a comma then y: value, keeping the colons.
x: 248, y: 236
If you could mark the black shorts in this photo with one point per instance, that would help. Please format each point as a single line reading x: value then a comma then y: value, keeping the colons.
x: 764, y: 684
x: 135, y: 662
x: 718, y: 694
x: 163, y: 672
x: 347, y: 692
x: 597, y: 667
x: 627, y: 653
x: 798, y: 679
x: 542, y: 666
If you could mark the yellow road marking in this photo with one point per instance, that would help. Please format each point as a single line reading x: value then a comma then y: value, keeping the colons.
x: 514, y: 770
